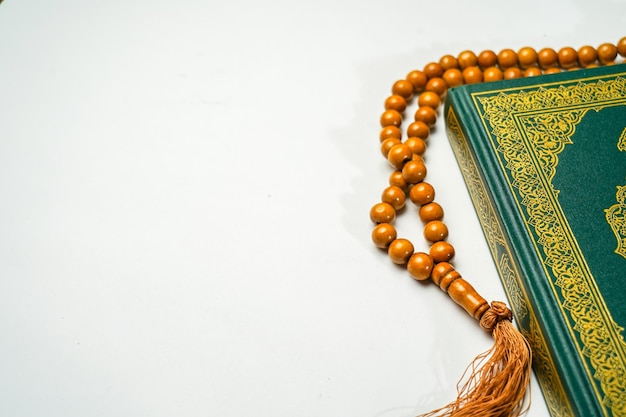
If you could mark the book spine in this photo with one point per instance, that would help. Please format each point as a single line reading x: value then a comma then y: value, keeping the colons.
x: 530, y: 302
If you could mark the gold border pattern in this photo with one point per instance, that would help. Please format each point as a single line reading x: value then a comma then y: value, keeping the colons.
x: 530, y: 128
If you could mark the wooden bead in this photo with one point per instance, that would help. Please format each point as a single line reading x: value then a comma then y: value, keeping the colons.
x: 462, y: 293
x: 467, y: 59
x: 453, y: 77
x: 507, y: 58
x: 472, y: 75
x: 567, y: 57
x: 396, y: 178
x: 459, y: 290
x: 387, y: 144
x: 487, y: 59
x: 414, y: 172
x: 418, y: 129
x: 448, y: 61
x: 395, y: 102
x: 390, y: 132
x: 433, y: 70
x: 435, y: 231
x: 512, y: 72
x: 493, y: 74
x: 422, y: 193
x: 532, y: 72
x: 400, y: 250
x: 382, y: 213
x: 394, y: 196
x: 547, y: 58
x: 621, y: 47
x: 437, y: 85
x: 442, y: 251
x: 527, y: 57
x: 417, y: 145
x: 398, y: 155
x: 427, y: 115
x: 403, y: 88
x: 420, y: 266
x: 429, y: 99
x: 440, y: 270
x: 587, y: 55
x: 383, y: 234
x: 418, y: 79
x: 431, y: 211
x: 391, y: 118
x: 607, y: 53
x: 552, y: 70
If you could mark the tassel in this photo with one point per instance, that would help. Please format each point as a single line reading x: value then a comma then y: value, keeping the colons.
x: 498, y: 378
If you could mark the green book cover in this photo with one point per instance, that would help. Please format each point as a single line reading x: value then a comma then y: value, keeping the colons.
x: 544, y: 159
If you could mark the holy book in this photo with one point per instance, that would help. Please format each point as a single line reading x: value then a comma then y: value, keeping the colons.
x: 544, y: 159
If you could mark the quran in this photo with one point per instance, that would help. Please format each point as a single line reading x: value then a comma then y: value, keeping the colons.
x: 544, y: 160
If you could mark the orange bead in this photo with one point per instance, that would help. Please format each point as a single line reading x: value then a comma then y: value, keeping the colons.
x: 395, y: 102
x: 547, y: 58
x: 418, y: 79
x: 382, y: 213
x: 429, y: 99
x: 394, y: 196
x: 621, y: 47
x: 607, y: 52
x: 400, y: 250
x: 472, y: 75
x: 453, y: 77
x: 507, y: 58
x: 398, y: 155
x: 383, y: 234
x: 390, y: 118
x: 427, y: 115
x: 587, y: 55
x: 431, y: 211
x: 448, y: 61
x: 487, y: 59
x: 435, y: 231
x: 403, y: 88
x: 527, y: 57
x: 567, y: 57
x: 437, y: 85
x: 414, y: 171
x: 390, y: 132
x: 467, y: 59
x: 433, y: 70
x: 532, y: 72
x: 422, y: 193
x: 512, y: 72
x: 442, y: 251
x: 417, y: 145
x: 493, y: 74
x: 420, y: 266
x: 418, y: 130
x: 552, y: 70
x: 387, y: 144
x: 396, y: 178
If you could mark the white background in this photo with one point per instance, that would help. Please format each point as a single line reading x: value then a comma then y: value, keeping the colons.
x: 184, y: 197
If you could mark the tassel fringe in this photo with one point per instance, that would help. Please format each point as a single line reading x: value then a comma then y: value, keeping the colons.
x: 498, y: 378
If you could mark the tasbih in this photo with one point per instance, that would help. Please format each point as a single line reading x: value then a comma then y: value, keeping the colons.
x: 498, y: 379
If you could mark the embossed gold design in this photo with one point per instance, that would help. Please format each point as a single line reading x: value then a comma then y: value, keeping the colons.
x: 543, y: 364
x: 621, y: 142
x: 547, y: 118
x: 616, y: 218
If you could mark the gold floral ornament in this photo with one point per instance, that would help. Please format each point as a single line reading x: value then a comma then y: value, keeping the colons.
x: 616, y: 218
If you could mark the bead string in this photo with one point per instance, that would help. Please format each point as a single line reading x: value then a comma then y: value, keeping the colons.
x: 406, y: 157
